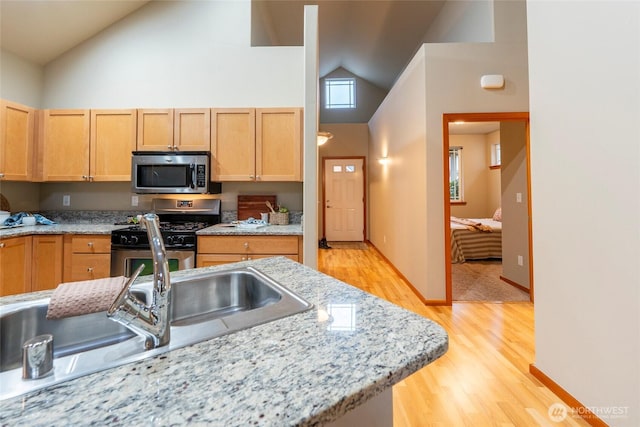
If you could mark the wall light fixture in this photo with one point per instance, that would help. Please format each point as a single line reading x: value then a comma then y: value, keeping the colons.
x: 324, y: 137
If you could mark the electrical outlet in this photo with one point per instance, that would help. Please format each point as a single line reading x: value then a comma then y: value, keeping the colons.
x: 66, y: 200
x: 134, y: 200
x: 518, y: 197
x: 384, y: 239
x: 520, y: 260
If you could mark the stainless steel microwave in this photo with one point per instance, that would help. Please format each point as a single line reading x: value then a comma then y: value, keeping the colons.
x: 162, y: 172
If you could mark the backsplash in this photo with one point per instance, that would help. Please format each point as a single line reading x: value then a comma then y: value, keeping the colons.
x: 112, y: 217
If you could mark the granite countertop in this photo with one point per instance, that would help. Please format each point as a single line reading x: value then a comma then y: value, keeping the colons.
x: 235, y: 230
x: 26, y: 230
x: 305, y: 369
x: 216, y: 230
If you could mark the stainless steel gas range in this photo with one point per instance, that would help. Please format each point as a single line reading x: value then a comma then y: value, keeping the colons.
x: 179, y: 222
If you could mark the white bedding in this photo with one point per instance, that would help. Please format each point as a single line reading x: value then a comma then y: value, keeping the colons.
x: 474, y: 244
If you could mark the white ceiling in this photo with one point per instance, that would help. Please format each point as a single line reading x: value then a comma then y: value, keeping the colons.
x: 40, y: 31
x: 374, y: 39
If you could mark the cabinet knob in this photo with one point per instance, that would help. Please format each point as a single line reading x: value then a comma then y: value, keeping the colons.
x: 85, y: 177
x: 251, y: 177
x: 2, y: 245
x: 257, y: 177
x: 90, y: 244
x: 90, y: 269
x: 246, y: 245
x: 1, y: 175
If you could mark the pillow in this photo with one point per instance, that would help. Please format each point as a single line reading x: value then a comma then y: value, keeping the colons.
x: 497, y: 215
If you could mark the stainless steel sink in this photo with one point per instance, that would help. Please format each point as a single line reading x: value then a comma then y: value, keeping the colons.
x: 203, y: 306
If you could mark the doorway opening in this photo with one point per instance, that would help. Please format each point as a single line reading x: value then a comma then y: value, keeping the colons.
x: 344, y: 199
x: 478, y: 243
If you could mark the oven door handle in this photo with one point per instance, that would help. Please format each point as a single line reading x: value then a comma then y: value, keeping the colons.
x: 192, y: 168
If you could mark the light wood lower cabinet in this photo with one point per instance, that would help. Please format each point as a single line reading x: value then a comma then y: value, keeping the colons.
x: 87, y: 257
x: 216, y: 250
x: 15, y: 265
x: 46, y: 259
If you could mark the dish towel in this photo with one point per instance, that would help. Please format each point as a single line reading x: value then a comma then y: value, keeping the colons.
x: 84, y: 297
x: 16, y: 219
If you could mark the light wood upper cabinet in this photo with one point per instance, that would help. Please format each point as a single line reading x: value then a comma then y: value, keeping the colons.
x: 278, y: 144
x: 233, y: 146
x: 263, y: 144
x: 192, y: 129
x: 17, y: 130
x: 155, y: 130
x: 84, y: 145
x: 15, y: 265
x: 113, y: 138
x: 64, y: 152
x: 174, y: 130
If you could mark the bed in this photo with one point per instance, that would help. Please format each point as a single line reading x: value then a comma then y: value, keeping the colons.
x: 475, y: 238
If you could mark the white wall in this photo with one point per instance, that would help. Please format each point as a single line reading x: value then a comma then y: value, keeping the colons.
x: 585, y: 143
x: 515, y: 214
x: 20, y: 80
x: 411, y: 189
x: 176, y: 54
x: 397, y: 190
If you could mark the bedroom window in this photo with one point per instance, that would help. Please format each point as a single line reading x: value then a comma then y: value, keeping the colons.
x: 340, y: 93
x: 455, y: 174
x: 495, y: 155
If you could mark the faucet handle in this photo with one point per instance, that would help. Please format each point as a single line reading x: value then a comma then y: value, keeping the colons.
x: 124, y: 291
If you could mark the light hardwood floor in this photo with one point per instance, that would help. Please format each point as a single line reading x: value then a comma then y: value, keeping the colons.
x: 483, y: 380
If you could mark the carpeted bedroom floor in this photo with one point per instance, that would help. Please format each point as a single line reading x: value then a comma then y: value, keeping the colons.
x: 480, y: 281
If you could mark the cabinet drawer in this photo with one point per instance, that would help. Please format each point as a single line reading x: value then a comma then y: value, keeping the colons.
x: 275, y: 245
x: 91, y: 244
x: 208, y: 260
x: 90, y: 266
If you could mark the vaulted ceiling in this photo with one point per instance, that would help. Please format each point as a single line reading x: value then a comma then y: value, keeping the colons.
x: 373, y: 39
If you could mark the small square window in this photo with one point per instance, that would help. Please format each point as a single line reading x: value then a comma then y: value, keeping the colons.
x: 337, y: 168
x: 340, y: 93
x: 350, y: 168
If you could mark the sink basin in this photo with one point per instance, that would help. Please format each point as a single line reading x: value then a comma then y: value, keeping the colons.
x: 203, y: 306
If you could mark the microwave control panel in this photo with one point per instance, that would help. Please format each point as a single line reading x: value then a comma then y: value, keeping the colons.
x: 201, y: 176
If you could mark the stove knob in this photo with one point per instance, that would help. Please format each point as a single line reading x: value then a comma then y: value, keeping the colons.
x: 134, y: 240
x: 124, y: 240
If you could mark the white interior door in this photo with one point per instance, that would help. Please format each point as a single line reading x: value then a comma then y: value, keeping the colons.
x: 344, y: 200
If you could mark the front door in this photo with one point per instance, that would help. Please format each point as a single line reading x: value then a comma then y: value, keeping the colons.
x: 344, y: 199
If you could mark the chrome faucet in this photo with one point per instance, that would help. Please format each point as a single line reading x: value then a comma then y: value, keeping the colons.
x: 150, y: 321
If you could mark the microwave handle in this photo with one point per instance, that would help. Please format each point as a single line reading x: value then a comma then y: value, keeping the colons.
x: 192, y: 168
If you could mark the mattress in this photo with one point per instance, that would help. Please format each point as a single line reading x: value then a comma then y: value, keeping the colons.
x: 473, y: 244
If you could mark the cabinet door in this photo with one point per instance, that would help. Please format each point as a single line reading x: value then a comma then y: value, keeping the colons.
x: 192, y: 129
x: 278, y: 144
x: 46, y: 264
x: 15, y: 266
x: 233, y: 148
x: 65, y: 151
x: 113, y: 138
x: 16, y: 141
x: 155, y: 130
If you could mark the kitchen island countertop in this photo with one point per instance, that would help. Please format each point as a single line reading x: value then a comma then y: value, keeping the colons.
x: 307, y: 369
